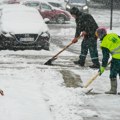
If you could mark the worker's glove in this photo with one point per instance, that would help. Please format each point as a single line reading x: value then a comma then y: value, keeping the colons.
x: 83, y: 34
x: 101, y: 70
x: 74, y: 40
x: 1, y: 92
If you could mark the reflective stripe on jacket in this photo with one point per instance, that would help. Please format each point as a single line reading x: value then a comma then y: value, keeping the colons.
x: 112, y: 42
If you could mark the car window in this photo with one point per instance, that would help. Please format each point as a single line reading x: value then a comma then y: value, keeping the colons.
x: 45, y: 7
x: 77, y: 1
x: 35, y: 4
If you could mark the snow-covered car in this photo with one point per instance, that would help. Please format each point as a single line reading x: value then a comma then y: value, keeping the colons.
x: 22, y: 27
x: 46, y: 10
x: 56, y: 3
x: 9, y: 1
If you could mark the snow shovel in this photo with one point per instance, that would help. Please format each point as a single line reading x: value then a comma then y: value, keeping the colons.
x: 86, y: 91
x: 94, y: 77
x: 49, y: 62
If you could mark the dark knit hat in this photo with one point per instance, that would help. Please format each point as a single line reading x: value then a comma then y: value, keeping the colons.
x: 101, y: 32
x: 74, y: 11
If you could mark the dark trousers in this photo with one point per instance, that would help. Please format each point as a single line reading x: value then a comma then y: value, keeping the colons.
x: 115, y: 68
x: 89, y: 44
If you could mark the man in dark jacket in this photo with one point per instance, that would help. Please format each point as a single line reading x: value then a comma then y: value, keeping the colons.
x: 86, y: 25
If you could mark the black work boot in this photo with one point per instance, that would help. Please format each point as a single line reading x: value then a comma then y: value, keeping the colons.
x: 113, y: 89
x: 79, y: 63
x: 95, y: 66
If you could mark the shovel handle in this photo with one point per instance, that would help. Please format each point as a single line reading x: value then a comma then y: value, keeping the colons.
x: 91, y: 80
x: 94, y: 77
x: 64, y: 48
x: 55, y: 56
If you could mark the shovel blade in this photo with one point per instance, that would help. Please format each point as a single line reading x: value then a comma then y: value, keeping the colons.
x: 87, y: 90
x: 49, y: 62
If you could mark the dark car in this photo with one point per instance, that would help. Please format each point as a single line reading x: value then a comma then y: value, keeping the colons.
x: 80, y: 4
x: 47, y: 11
x: 22, y: 28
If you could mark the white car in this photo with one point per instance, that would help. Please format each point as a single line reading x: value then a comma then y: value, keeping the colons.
x: 22, y: 27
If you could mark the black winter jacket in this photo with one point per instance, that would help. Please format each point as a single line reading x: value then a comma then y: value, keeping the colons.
x: 85, y: 22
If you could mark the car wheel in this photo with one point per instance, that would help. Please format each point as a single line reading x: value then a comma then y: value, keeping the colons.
x: 60, y: 19
x: 1, y: 48
x: 47, y: 48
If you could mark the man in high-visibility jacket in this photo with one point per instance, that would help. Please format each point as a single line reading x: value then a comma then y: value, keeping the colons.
x: 110, y: 44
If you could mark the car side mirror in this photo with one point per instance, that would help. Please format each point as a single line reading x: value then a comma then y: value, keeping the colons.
x: 47, y: 20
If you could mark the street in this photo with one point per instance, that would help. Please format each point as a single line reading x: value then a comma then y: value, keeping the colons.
x: 31, y: 63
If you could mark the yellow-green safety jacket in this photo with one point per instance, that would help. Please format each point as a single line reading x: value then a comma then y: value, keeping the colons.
x: 112, y: 42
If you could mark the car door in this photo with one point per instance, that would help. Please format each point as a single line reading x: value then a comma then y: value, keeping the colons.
x: 46, y: 11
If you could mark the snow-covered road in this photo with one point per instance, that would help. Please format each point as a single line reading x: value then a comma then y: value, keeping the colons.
x: 34, y: 91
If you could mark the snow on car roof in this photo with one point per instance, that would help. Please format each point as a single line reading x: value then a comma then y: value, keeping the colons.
x: 37, y: 1
x: 55, y: 1
x: 18, y: 16
x: 34, y: 1
x: 22, y: 2
x: 16, y: 9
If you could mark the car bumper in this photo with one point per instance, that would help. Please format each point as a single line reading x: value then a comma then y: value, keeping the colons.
x: 16, y: 42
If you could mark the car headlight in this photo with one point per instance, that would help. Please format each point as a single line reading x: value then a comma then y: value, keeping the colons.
x: 4, y: 33
x: 68, y: 7
x: 45, y: 34
x: 85, y: 7
x: 7, y: 34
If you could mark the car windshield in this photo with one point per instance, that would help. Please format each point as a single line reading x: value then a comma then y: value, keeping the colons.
x: 77, y: 1
x: 55, y: 4
x: 32, y: 4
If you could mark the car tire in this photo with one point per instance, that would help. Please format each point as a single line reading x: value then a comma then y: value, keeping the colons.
x: 46, y: 47
x: 1, y: 47
x: 60, y: 19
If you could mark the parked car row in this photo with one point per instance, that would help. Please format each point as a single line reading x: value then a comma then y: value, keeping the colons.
x: 53, y: 14
x: 54, y: 10
x: 22, y: 27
